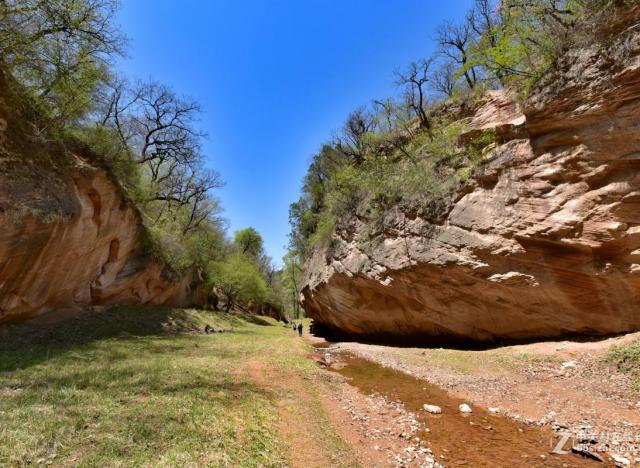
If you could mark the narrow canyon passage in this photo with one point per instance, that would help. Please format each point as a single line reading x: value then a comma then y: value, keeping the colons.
x: 320, y: 234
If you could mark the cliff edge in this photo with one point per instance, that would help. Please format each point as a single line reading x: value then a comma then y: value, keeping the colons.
x: 543, y: 241
x: 68, y: 236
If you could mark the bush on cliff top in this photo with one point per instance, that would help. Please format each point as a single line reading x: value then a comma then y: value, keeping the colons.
x: 405, y: 152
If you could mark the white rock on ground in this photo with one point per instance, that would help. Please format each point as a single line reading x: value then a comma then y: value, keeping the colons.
x: 620, y: 460
x: 464, y: 408
x: 493, y: 410
x: 433, y: 409
x: 569, y: 365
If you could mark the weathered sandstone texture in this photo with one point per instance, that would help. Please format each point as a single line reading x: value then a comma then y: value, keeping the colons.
x: 543, y: 242
x: 67, y: 237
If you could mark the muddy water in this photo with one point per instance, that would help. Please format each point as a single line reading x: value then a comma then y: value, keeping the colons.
x: 475, y: 440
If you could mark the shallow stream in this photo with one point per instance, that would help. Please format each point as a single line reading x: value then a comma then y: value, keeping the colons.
x: 477, y: 439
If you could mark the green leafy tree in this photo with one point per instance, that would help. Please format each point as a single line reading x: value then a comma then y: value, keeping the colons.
x: 291, y: 280
x: 60, y: 50
x: 249, y: 242
x: 516, y: 41
x: 239, y: 280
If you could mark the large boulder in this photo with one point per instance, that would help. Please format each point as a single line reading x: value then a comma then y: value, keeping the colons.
x: 543, y: 242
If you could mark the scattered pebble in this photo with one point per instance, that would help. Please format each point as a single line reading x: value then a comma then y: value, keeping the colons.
x: 464, y: 408
x: 433, y: 409
x: 389, y: 426
x: 620, y: 460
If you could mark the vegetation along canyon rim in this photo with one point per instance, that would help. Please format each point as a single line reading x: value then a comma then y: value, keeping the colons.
x: 459, y: 284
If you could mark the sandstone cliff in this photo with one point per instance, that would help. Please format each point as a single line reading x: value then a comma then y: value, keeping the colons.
x: 543, y: 242
x: 67, y: 235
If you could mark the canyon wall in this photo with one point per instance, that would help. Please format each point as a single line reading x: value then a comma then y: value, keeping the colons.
x: 67, y: 235
x: 544, y: 241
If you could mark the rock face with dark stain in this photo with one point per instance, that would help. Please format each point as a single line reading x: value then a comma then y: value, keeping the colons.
x: 67, y: 236
x: 543, y: 242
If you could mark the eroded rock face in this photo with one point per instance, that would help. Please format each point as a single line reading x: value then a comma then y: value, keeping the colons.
x: 66, y: 235
x: 544, y: 242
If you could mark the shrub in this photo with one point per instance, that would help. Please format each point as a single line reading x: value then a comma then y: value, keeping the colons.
x: 105, y: 143
x: 627, y: 359
x: 324, y: 230
x: 238, y: 279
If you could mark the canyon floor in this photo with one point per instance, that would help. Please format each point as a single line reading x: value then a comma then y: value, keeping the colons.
x: 149, y: 387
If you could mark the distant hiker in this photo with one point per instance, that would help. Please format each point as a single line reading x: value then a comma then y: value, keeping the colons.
x: 300, y: 329
x: 293, y: 326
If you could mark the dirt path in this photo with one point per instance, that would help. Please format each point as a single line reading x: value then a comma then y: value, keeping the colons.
x: 327, y: 422
x: 297, y: 426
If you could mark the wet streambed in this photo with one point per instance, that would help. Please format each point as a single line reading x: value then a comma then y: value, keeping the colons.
x: 477, y: 439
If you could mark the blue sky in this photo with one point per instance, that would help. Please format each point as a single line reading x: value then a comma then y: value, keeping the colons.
x: 275, y: 79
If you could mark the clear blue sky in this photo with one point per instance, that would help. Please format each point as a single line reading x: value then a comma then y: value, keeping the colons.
x: 275, y: 79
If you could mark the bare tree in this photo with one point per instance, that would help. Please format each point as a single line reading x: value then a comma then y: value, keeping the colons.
x: 484, y: 19
x: 392, y: 115
x: 353, y: 141
x: 156, y: 129
x: 395, y: 123
x: 414, y: 81
x: 454, y: 41
x: 443, y: 78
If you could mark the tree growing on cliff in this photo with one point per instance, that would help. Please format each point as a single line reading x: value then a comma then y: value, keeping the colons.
x: 354, y: 140
x: 60, y: 50
x: 157, y: 128
x: 57, y: 55
x: 454, y: 41
x: 413, y: 80
x: 512, y: 42
x: 443, y: 79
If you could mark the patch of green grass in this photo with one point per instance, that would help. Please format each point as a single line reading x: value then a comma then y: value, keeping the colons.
x: 626, y: 358
x: 139, y: 386
x: 517, y: 360
x: 467, y: 362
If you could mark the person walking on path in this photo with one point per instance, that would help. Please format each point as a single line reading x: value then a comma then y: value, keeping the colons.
x: 300, y: 329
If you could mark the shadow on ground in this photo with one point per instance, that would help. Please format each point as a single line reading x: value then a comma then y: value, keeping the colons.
x: 256, y: 320
x: 420, y: 340
x: 27, y: 343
